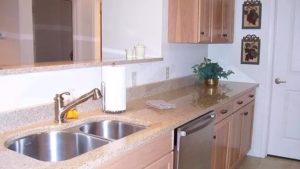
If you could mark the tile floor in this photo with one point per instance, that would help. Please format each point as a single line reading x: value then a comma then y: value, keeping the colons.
x: 269, y: 163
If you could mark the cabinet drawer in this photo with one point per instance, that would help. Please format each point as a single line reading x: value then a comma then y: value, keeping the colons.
x: 223, y: 111
x: 243, y: 100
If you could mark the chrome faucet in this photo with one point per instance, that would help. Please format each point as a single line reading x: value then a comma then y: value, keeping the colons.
x: 61, y: 110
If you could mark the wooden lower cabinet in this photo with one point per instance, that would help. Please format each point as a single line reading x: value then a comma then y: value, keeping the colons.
x: 164, y: 163
x: 235, y: 139
x: 246, y: 136
x: 155, y: 154
x: 220, y: 145
x: 232, y: 138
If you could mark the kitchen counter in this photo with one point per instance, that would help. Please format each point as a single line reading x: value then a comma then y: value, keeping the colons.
x: 191, y: 102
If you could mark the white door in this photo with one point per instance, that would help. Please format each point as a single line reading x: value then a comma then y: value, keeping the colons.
x: 284, y: 138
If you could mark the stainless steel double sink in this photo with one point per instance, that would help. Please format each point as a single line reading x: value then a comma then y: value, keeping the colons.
x: 62, y: 145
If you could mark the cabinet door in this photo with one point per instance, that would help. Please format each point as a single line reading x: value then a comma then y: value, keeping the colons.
x: 183, y: 21
x: 205, y: 21
x: 247, y: 124
x: 220, y: 145
x: 216, y: 27
x: 222, y: 21
x: 235, y: 138
x: 164, y: 163
x: 227, y: 20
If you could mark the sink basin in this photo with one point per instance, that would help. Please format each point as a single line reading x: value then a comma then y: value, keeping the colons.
x: 110, y: 129
x: 55, y: 145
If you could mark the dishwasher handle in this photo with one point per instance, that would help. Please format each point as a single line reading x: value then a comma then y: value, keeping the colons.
x: 197, y: 125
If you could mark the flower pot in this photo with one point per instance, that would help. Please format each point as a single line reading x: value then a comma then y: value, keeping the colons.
x: 211, y: 82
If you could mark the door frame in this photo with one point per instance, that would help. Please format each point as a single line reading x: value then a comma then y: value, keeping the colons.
x: 269, y: 81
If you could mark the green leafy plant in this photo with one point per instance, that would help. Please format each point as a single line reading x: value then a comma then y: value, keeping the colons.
x: 209, y: 70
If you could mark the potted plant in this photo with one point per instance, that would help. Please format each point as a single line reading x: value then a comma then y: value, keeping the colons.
x: 210, y: 72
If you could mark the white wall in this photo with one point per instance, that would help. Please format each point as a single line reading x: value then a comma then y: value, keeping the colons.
x: 26, y: 90
x: 127, y: 23
x: 229, y: 56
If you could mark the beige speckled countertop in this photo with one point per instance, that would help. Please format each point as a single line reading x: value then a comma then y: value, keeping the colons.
x: 191, y: 102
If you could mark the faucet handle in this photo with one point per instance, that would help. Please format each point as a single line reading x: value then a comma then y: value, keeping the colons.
x: 61, y: 96
x: 65, y: 93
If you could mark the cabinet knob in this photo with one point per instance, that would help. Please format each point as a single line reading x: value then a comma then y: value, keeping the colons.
x: 202, y: 33
x: 240, y: 102
x: 246, y: 113
x: 225, y: 35
x: 251, y: 95
x: 215, y: 137
x: 224, y: 111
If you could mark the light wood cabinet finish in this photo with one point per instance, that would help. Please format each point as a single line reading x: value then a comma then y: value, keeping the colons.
x: 201, y: 21
x: 144, y: 155
x: 222, y: 21
x: 235, y: 138
x: 183, y: 21
x: 233, y: 134
x: 164, y: 163
x: 220, y: 145
x: 246, y: 136
x: 243, y: 100
x: 223, y: 111
x: 204, y: 35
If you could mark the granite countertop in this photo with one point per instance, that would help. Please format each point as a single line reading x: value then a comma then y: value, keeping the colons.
x: 191, y: 102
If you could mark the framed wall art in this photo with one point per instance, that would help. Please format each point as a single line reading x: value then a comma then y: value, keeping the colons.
x: 252, y: 14
x: 250, y: 50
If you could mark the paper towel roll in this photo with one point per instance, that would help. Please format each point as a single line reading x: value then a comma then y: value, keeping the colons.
x: 114, y: 89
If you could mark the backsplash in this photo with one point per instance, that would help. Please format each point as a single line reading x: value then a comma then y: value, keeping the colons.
x: 20, y: 117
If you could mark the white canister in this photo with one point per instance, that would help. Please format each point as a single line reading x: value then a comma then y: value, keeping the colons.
x: 139, y: 51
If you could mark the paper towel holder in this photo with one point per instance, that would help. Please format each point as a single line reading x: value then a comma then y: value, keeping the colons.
x: 104, y: 101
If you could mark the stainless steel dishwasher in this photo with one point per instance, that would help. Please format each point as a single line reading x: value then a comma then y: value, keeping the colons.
x: 193, y: 143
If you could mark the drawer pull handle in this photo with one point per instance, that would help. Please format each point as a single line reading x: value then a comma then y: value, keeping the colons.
x: 246, y: 113
x: 215, y: 137
x: 251, y: 95
x: 202, y: 33
x: 240, y: 102
x: 224, y: 111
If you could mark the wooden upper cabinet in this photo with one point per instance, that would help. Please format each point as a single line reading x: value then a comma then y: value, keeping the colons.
x: 201, y: 21
x: 222, y: 21
x: 183, y: 21
x: 204, y: 34
x: 228, y: 21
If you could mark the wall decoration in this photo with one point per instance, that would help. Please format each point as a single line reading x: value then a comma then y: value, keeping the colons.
x: 252, y: 14
x: 250, y: 50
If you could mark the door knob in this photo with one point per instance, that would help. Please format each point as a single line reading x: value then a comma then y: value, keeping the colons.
x: 278, y: 81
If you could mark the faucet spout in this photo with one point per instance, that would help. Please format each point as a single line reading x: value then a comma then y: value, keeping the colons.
x: 61, y: 109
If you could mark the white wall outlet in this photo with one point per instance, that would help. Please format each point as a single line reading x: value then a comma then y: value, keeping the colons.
x: 167, y: 73
x: 133, y: 78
